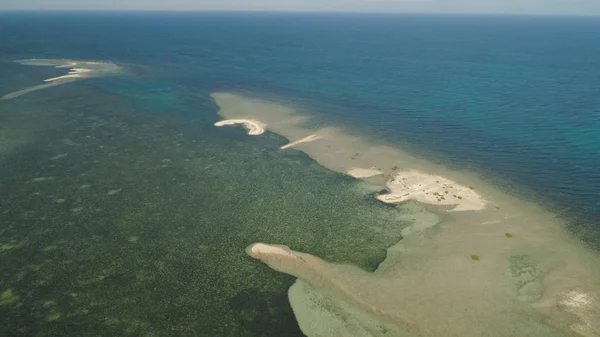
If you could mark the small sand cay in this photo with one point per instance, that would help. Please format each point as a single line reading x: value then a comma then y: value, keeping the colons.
x: 431, y: 189
x: 254, y: 127
x: 78, y: 70
x: 364, y: 172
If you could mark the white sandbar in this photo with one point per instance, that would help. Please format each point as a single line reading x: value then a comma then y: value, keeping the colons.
x: 254, y: 127
x: 364, y: 172
x: 431, y: 189
x: 302, y: 140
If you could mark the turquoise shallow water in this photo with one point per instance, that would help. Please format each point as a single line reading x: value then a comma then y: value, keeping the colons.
x: 516, y: 98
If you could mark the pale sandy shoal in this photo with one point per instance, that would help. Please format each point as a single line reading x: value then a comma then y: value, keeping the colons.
x: 364, y: 172
x: 254, y: 127
x: 34, y: 88
x: 67, y: 65
x: 79, y: 70
x: 434, y: 280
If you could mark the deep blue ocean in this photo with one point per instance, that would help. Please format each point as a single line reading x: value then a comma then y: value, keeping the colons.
x: 515, y: 98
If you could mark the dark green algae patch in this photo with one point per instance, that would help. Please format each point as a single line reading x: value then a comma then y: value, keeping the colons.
x: 125, y: 222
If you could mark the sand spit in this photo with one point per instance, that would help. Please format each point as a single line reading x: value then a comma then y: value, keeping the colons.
x: 316, y: 271
x: 364, y: 173
x: 306, y: 139
x: 431, y: 189
x: 79, y: 70
x: 254, y: 127
x: 507, y: 269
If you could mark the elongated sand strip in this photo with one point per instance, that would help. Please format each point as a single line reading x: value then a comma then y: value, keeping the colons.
x: 21, y: 92
x: 306, y: 139
x: 254, y: 127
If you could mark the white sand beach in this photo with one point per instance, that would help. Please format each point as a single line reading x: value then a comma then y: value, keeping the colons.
x: 254, y: 127
x: 503, y: 266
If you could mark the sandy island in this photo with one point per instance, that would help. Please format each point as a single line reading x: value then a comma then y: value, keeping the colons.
x: 254, y: 127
